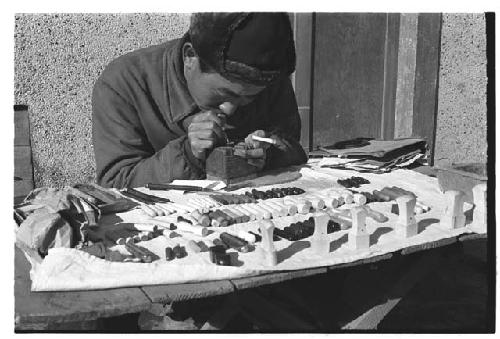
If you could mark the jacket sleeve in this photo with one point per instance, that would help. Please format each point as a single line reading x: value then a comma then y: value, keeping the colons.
x: 285, y: 128
x: 124, y: 156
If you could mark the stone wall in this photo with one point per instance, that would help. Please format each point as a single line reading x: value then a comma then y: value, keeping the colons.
x: 58, y: 57
x: 461, y: 120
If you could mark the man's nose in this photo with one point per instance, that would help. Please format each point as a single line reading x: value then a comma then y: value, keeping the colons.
x: 228, y: 108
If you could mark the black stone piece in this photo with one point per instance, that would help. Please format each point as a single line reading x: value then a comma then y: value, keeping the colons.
x: 222, y: 259
x: 169, y: 254
x: 215, y: 251
x: 257, y: 236
x: 179, y: 251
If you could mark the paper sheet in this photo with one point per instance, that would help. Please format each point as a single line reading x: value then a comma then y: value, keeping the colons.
x: 70, y: 269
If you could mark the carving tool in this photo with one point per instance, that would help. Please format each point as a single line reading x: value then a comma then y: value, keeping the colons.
x: 143, y: 197
x: 263, y: 139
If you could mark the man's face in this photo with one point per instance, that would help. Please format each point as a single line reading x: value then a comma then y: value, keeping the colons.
x: 210, y: 89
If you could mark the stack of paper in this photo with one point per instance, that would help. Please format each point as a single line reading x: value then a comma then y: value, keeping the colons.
x: 370, y: 155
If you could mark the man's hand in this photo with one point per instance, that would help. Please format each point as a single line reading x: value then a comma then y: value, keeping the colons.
x: 205, y: 132
x: 251, y: 143
x: 259, y: 148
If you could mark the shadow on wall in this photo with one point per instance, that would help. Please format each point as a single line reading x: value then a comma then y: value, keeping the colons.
x: 58, y: 57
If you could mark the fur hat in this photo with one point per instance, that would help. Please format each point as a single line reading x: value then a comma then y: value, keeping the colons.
x: 254, y: 48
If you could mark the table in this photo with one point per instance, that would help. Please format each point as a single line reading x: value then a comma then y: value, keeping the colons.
x: 69, y: 310
x: 40, y: 311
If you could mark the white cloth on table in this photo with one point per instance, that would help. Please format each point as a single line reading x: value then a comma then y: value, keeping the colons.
x: 71, y: 269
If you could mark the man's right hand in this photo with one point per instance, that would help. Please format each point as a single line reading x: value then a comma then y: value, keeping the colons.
x: 205, y: 132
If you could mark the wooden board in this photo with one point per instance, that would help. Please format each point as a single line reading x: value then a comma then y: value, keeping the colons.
x: 427, y: 78
x: 179, y: 292
x: 21, y: 189
x: 362, y: 261
x: 21, y: 126
x: 274, y: 177
x: 49, y: 307
x: 273, y: 278
x: 428, y: 245
x: 302, y: 80
x: 23, y: 167
x: 349, y: 53
x: 407, y: 55
x: 391, y: 75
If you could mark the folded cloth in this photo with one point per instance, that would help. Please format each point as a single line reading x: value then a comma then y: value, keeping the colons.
x: 382, y: 150
x: 43, y: 230
x: 56, y: 218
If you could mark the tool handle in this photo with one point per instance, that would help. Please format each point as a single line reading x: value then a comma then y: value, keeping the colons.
x: 166, y: 187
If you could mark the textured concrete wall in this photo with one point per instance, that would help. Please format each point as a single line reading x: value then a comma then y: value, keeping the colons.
x: 461, y: 120
x: 57, y: 60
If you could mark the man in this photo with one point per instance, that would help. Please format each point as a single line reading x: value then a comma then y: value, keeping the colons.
x: 159, y: 111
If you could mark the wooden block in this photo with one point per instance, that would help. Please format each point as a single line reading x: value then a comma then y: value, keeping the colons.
x: 302, y: 207
x: 266, y: 213
x: 193, y: 246
x: 267, y: 244
x: 289, y: 209
x: 329, y: 201
x: 320, y: 242
x: 406, y: 225
x: 336, y: 195
x: 358, y: 217
x: 375, y: 215
x: 453, y: 215
x: 359, y: 199
x: 185, y: 227
x: 242, y: 217
x: 358, y: 238
x: 248, y: 237
x: 222, y: 163
x: 251, y: 211
x: 480, y: 216
x: 245, y: 213
x: 317, y: 202
x: 281, y: 212
x: 236, y: 218
x: 284, y: 211
x: 348, y: 198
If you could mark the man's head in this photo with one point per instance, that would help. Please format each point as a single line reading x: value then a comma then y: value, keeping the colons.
x: 232, y: 57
